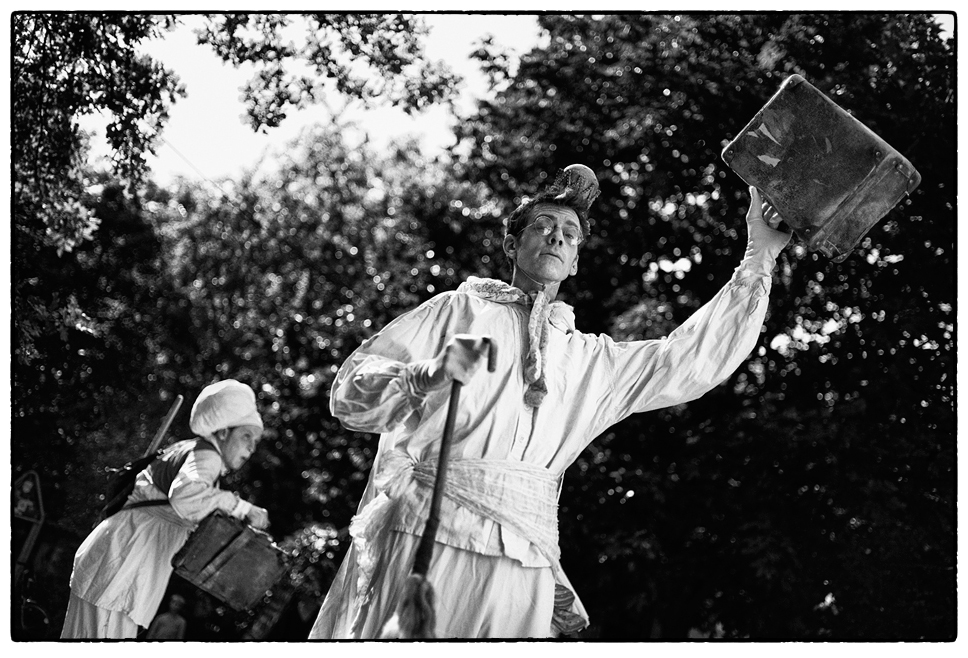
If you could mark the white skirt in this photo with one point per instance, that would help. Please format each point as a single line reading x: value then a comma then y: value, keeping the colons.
x: 88, y: 622
x: 125, y: 563
x: 477, y: 596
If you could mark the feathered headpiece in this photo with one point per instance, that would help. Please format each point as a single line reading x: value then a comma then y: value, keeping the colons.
x: 574, y: 187
x: 578, y: 189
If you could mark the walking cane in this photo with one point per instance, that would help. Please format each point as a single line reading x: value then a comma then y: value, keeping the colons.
x: 122, y: 479
x: 415, y: 617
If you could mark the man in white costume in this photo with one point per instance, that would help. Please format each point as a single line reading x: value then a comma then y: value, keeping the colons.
x: 495, y: 568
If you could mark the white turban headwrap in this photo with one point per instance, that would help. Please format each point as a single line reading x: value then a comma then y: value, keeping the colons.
x: 221, y: 405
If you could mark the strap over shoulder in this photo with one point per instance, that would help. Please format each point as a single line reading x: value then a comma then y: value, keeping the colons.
x: 165, y: 469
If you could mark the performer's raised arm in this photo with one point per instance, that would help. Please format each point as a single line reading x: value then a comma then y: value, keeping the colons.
x: 712, y: 343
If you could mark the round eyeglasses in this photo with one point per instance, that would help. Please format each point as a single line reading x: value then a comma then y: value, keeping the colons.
x: 544, y: 227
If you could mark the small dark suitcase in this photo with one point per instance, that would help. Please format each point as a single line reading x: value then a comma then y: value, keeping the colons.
x: 231, y: 561
x: 827, y: 174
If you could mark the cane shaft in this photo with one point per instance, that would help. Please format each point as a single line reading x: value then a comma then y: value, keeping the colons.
x: 426, y: 548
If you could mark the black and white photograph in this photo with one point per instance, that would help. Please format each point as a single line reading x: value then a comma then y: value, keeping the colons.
x: 530, y: 325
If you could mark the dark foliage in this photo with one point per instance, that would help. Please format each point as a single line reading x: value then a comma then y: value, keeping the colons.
x: 813, y: 495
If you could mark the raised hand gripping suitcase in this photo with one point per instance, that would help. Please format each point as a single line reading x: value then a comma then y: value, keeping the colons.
x: 231, y: 561
x: 828, y: 175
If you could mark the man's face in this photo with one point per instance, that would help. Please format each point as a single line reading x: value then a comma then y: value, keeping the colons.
x: 239, y: 445
x: 547, y: 258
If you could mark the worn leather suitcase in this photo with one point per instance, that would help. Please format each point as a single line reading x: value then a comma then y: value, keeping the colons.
x: 828, y: 175
x: 231, y: 561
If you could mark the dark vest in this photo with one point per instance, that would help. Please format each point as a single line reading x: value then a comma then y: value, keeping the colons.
x: 165, y: 469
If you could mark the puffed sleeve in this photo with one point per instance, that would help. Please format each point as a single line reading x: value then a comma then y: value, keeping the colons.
x: 193, y: 494
x: 379, y: 387
x: 699, y: 355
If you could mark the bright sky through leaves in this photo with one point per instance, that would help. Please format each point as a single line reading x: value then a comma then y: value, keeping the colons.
x: 207, y: 138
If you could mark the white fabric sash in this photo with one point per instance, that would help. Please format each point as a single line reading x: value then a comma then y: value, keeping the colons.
x: 519, y: 496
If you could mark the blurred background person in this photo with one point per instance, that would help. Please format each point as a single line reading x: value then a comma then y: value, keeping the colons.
x: 169, y: 625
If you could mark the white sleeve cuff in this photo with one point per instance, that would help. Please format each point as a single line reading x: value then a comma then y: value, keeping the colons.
x: 241, y: 509
x: 417, y: 376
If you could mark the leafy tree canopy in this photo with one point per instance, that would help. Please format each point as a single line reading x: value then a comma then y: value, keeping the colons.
x: 811, y: 475
x: 66, y: 65
x: 377, y: 58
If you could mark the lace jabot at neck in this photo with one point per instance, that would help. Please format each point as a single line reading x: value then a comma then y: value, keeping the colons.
x: 562, y: 315
x: 543, y: 316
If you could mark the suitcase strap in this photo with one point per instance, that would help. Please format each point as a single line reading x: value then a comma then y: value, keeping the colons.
x: 146, y: 503
x: 210, y: 571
